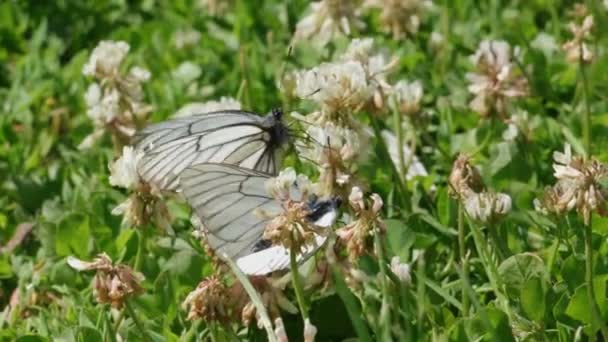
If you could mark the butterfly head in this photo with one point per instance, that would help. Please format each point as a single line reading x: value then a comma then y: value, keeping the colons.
x: 279, y: 132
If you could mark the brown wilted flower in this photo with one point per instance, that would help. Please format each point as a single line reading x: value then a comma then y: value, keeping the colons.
x: 495, y: 80
x: 464, y: 178
x: 400, y: 17
x: 368, y: 222
x: 113, y: 284
x: 210, y: 302
x: 577, y: 49
x: 577, y: 186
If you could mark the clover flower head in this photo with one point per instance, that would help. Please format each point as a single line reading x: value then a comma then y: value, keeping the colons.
x: 113, y: 284
x: 274, y: 300
x: 123, y: 172
x: 408, y: 96
x: 186, y: 38
x: 400, y: 17
x: 340, y: 88
x: 367, y: 223
x: 291, y: 227
x: 210, y: 301
x: 327, y: 19
x: 577, y: 49
x: 464, y: 178
x: 224, y: 103
x: 487, y: 207
x: 401, y: 270
x: 106, y: 58
x: 495, y: 81
x: 577, y: 187
x: 376, y: 66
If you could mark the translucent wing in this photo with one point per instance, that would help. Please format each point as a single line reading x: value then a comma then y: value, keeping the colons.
x: 233, y: 136
x: 224, y: 198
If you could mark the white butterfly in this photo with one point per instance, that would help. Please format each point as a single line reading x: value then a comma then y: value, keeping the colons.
x: 224, y: 198
x: 231, y: 136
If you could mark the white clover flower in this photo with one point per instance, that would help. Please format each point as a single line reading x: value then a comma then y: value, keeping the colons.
x: 139, y: 74
x: 339, y: 88
x: 356, y: 234
x: 224, y: 103
x: 401, y: 270
x: 495, y: 80
x: 414, y: 166
x: 106, y: 58
x: 376, y: 66
x: 437, y: 40
x: 578, y: 186
x: 577, y: 49
x: 487, y: 206
x: 123, y: 172
x: 408, y: 96
x: 400, y: 17
x: 187, y: 72
x: 310, y: 331
x: 327, y: 19
x: 544, y: 42
x: 114, y: 103
x: 186, y: 38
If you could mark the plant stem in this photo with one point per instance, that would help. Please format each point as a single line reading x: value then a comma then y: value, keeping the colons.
x: 586, y: 124
x: 595, y: 311
x: 385, y: 311
x: 420, y: 293
x: 463, y: 259
x: 297, y: 284
x: 138, y: 324
x: 141, y: 247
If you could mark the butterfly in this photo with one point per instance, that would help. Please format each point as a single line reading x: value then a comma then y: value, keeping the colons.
x: 229, y: 136
x: 225, y: 198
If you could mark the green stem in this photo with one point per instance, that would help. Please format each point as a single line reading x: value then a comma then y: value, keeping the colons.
x: 141, y: 247
x: 595, y: 310
x: 385, y: 310
x: 121, y: 315
x: 138, y: 324
x: 463, y: 259
x: 420, y: 294
x: 297, y: 285
x: 586, y: 124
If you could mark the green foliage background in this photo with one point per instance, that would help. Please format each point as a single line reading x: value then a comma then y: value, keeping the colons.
x: 65, y: 194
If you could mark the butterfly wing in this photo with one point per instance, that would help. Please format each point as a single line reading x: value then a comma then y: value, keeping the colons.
x: 224, y: 198
x: 232, y: 136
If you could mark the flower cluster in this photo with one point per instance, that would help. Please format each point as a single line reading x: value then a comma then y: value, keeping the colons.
x: 224, y: 103
x: 211, y: 301
x: 496, y: 80
x: 115, y: 101
x: 328, y: 19
x: 577, y: 49
x: 113, y: 284
x: 400, y: 17
x: 289, y: 228
x: 466, y: 185
x: 367, y: 223
x: 145, y: 203
x: 577, y: 186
